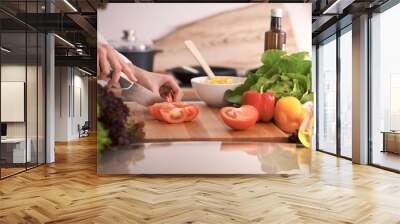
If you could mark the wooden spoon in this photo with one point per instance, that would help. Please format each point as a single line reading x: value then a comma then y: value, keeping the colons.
x: 196, y: 53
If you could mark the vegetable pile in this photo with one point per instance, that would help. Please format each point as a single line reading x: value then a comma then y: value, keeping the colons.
x: 281, y: 74
x: 115, y: 128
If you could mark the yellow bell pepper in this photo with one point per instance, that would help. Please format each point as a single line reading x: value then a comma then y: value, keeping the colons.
x: 289, y: 113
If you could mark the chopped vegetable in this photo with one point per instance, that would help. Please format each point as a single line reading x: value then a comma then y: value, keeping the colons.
x: 174, y: 112
x: 280, y: 74
x: 173, y: 116
x: 191, y: 111
x: 239, y: 118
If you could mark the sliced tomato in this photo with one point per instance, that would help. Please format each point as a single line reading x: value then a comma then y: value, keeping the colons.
x: 239, y: 118
x: 181, y: 104
x: 191, y: 111
x: 154, y: 110
x: 174, y: 115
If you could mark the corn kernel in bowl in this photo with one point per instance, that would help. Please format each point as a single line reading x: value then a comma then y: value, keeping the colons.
x: 220, y: 80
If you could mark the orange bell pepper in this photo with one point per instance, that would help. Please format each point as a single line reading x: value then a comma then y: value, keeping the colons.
x: 289, y: 113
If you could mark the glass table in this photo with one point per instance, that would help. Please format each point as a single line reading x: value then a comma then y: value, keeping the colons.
x: 206, y: 157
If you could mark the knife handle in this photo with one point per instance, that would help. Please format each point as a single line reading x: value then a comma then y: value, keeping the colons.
x: 123, y: 81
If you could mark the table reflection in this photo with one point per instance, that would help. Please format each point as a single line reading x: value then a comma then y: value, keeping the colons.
x: 206, y: 158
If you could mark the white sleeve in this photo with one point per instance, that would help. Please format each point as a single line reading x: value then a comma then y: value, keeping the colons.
x: 102, y: 40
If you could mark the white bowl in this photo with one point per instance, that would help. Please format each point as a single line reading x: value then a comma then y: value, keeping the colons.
x: 213, y: 94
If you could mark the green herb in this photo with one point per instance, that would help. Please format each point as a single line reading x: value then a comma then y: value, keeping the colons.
x: 281, y: 74
x: 116, y: 127
x: 102, y: 135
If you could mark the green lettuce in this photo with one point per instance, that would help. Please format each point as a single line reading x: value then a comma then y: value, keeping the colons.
x: 281, y: 73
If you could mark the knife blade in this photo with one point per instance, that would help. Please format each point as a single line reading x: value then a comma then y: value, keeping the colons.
x: 140, y: 95
x: 134, y: 92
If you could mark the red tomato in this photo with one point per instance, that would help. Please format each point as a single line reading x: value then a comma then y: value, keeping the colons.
x: 239, y: 118
x: 154, y: 110
x: 180, y: 104
x: 263, y: 102
x: 174, y: 115
x: 191, y: 111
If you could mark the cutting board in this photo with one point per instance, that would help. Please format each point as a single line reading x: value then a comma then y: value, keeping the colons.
x: 208, y: 126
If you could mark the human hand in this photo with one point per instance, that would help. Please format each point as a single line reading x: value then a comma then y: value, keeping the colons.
x: 164, y: 85
x: 109, y: 60
x: 160, y: 84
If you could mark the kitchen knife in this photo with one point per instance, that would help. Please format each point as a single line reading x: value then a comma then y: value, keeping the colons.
x: 134, y: 92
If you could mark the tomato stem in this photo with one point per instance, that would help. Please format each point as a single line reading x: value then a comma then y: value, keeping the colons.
x: 261, y: 89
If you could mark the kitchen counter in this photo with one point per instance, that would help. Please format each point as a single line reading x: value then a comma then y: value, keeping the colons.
x: 208, y: 126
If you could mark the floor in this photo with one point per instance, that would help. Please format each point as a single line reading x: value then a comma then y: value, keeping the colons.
x: 10, y: 171
x: 70, y: 191
x: 387, y: 159
x: 13, y: 170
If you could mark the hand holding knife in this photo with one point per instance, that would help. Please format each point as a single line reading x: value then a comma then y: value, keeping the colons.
x: 134, y: 92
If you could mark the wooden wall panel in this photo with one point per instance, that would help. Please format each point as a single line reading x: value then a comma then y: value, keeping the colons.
x: 234, y: 38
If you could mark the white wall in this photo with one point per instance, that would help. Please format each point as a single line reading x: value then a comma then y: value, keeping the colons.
x: 61, y: 103
x: 80, y: 94
x: 156, y: 20
x: 14, y: 73
x: 302, y: 33
x: 69, y: 82
x: 33, y: 127
x: 162, y: 18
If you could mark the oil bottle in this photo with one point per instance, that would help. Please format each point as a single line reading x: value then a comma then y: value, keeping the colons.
x: 275, y: 38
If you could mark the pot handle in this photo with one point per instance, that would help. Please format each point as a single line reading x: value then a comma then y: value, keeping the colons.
x: 156, y: 51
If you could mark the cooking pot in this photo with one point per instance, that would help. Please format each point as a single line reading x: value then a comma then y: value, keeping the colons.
x: 142, y: 58
x: 184, y: 75
x: 140, y: 53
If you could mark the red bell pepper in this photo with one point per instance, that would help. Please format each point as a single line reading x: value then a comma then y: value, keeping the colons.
x: 264, y: 102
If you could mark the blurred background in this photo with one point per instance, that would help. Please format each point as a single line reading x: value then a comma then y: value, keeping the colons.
x: 227, y: 34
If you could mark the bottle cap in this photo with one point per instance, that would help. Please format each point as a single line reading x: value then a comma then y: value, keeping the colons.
x: 276, y: 12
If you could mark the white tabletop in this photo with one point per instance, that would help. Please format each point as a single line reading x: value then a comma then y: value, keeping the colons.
x: 206, y: 158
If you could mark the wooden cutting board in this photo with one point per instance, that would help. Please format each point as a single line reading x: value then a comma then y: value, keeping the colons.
x: 208, y: 126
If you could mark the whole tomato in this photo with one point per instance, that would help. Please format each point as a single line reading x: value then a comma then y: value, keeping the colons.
x: 263, y: 102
